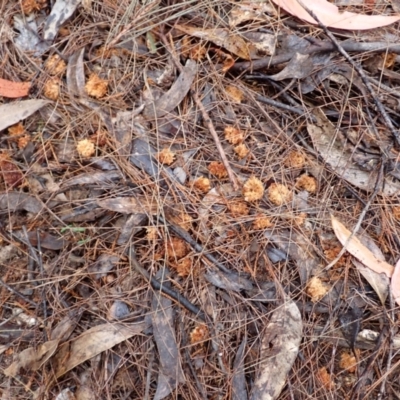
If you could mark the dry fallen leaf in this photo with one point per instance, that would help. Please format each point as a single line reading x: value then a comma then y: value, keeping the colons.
x: 32, y: 358
x: 331, y: 16
x: 279, y: 348
x: 224, y: 38
x: 13, y: 90
x: 12, y: 113
x: 92, y: 342
x: 324, y: 137
x: 395, y: 283
x: 358, y: 250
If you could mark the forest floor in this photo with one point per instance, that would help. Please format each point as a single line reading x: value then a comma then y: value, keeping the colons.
x: 199, y: 200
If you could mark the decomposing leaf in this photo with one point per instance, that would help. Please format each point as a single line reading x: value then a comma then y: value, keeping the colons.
x: 299, y: 249
x: 92, y: 178
x: 350, y: 323
x: 13, y: 90
x: 358, y: 250
x: 250, y: 11
x: 331, y: 16
x: 299, y: 67
x: 67, y: 325
x: 62, y: 10
x: 395, y: 283
x: 10, y: 172
x: 171, y: 373
x: 224, y: 38
x: 46, y: 240
x: 92, y: 342
x: 279, y: 348
x: 28, y: 38
x: 325, y: 140
x: 12, y: 113
x: 103, y: 265
x: 170, y: 100
x: 226, y: 281
x: 32, y: 358
x: 14, y: 201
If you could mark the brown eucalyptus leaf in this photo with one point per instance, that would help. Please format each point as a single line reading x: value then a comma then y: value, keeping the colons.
x: 91, y: 343
x: 32, y: 358
x: 358, y: 250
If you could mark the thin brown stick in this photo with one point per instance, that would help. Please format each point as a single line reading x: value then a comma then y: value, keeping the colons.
x: 206, y: 118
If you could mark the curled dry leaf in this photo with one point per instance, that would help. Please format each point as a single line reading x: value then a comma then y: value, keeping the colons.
x: 358, y: 250
x: 32, y: 358
x: 331, y: 16
x: 170, y: 371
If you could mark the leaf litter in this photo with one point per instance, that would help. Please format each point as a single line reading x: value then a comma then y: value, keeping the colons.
x: 214, y: 141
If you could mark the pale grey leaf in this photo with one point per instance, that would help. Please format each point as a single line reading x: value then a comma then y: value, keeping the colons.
x: 60, y: 13
x: 28, y: 38
x: 175, y: 94
x: 239, y: 391
x: 171, y: 373
x: 230, y: 281
x: 12, y: 113
x: 279, y: 349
